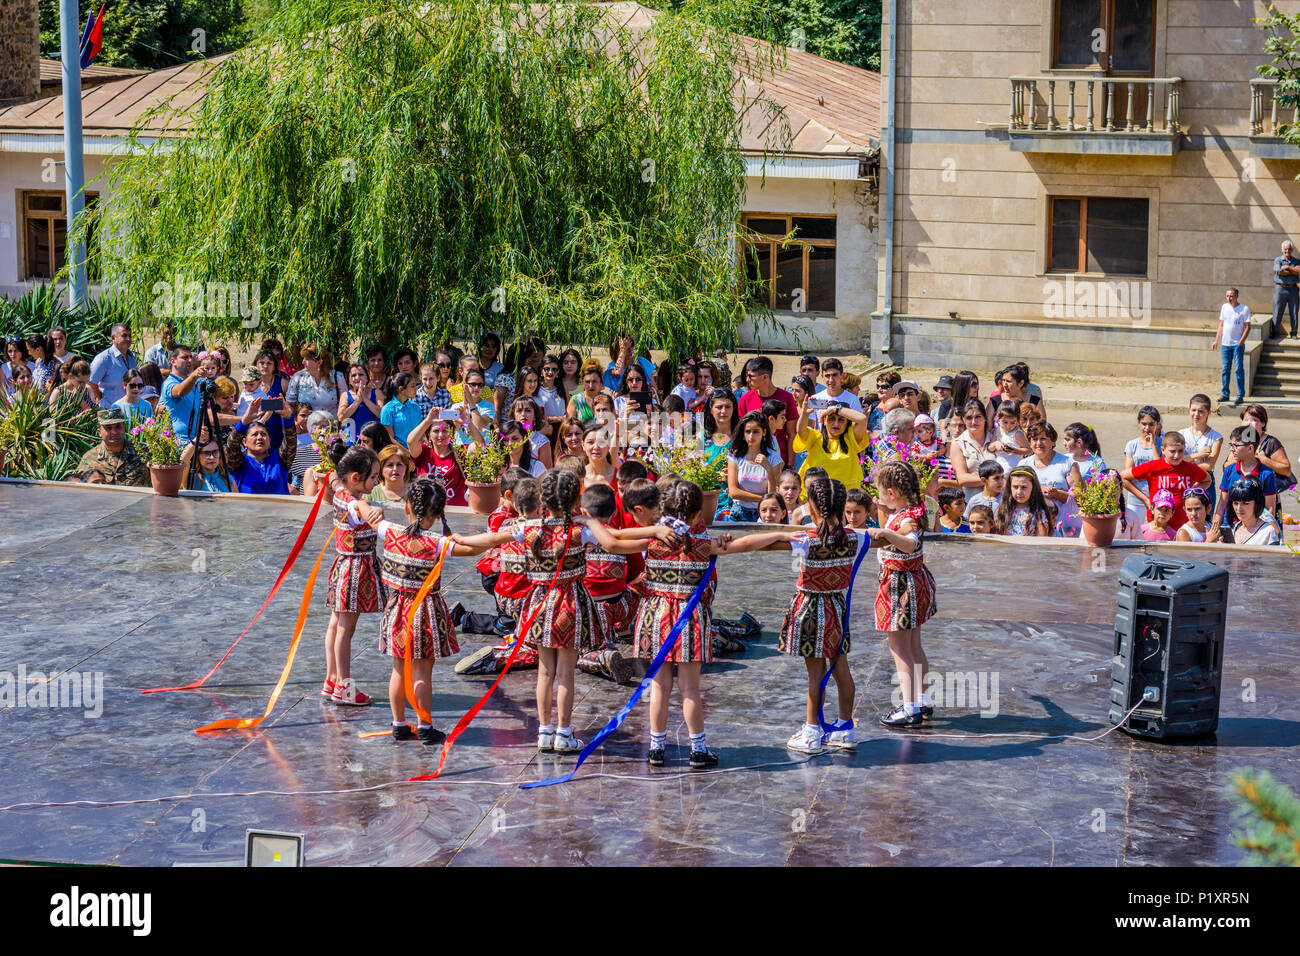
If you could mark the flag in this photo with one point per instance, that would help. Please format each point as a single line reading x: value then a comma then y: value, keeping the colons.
x: 92, y: 40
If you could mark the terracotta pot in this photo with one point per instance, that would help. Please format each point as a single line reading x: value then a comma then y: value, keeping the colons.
x: 166, y: 479
x: 711, y: 505
x: 1099, y: 530
x: 482, y: 498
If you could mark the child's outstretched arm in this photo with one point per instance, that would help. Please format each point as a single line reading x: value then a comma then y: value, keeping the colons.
x: 779, y: 540
x: 626, y: 540
x: 899, y: 539
x: 464, y: 545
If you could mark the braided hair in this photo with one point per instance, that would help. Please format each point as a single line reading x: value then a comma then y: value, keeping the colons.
x: 560, y: 490
x: 427, y: 499
x: 356, y: 461
x: 829, y: 497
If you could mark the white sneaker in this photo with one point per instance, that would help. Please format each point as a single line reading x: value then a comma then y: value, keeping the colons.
x: 567, y: 744
x: 347, y: 694
x: 843, y: 739
x: 802, y: 743
x: 545, y: 742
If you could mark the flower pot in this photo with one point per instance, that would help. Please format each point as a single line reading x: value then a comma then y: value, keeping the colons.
x: 1099, y: 530
x: 710, y: 505
x: 482, y: 498
x: 166, y: 479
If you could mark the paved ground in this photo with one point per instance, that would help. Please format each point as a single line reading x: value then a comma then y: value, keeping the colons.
x: 148, y: 591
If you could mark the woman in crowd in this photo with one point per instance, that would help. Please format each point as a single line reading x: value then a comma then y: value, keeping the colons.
x: 376, y: 372
x: 836, y: 445
x: 1013, y: 383
x: 1084, y: 454
x: 435, y: 456
x: 16, y: 352
x: 76, y: 382
x: 1051, y: 467
x: 402, y: 412
x: 131, y: 404
x: 270, y: 385
x: 528, y: 414
x: 751, y: 474
x: 719, y: 427
x: 396, y: 473
x: 550, y: 393
x: 375, y: 437
x: 1204, y: 444
x: 360, y: 404
x: 571, y: 371
x: 313, y: 385
x: 569, y: 439
x: 1270, y: 452
x: 21, y: 381
x: 488, y: 352
x: 45, y: 367
x: 1146, y: 447
x: 965, y: 387
x: 1246, y: 499
x: 256, y: 466
x: 582, y: 404
x: 207, y: 474
x: 969, y: 449
x: 631, y: 414
x: 223, y: 360
x: 623, y: 358
x: 522, y: 456
x: 405, y: 360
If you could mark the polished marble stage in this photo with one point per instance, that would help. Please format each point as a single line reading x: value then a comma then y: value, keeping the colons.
x: 146, y: 591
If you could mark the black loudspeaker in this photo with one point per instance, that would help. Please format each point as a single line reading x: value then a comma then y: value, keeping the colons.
x: 1168, y: 647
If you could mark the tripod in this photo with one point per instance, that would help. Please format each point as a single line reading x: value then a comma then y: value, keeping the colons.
x: 206, y: 415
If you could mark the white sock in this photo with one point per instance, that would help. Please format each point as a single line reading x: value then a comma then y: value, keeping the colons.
x: 657, y: 740
x: 564, y: 732
x: 546, y: 729
x: 426, y: 726
x: 811, y: 730
x: 911, y: 709
x: 399, y: 723
x: 697, y: 743
x: 925, y: 701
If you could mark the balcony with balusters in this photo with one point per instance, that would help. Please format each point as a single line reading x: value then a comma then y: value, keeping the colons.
x: 1099, y: 115
x: 1267, y: 116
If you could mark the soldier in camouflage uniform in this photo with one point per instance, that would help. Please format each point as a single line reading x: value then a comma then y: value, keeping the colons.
x: 113, y: 457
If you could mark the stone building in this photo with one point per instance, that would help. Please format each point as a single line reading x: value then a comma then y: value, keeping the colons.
x: 1076, y: 183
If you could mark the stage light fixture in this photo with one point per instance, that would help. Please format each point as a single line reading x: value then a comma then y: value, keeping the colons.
x: 273, y: 848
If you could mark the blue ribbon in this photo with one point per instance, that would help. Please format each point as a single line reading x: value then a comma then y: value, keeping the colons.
x: 665, y: 649
x: 835, y: 725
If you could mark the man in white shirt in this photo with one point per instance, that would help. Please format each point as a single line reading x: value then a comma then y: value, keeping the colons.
x: 1234, y: 326
x: 833, y: 376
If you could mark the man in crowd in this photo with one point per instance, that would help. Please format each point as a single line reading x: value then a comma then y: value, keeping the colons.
x: 1286, y: 288
x: 114, y: 457
x: 758, y: 371
x: 833, y: 376
x: 160, y: 354
x: 179, y: 394
x: 110, y: 365
x: 1234, y: 327
x: 908, y: 394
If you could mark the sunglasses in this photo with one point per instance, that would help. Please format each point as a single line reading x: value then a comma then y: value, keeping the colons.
x: 444, y: 365
x: 133, y: 385
x: 213, y: 453
x: 551, y: 368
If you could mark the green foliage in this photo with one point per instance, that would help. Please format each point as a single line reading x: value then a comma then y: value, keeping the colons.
x: 689, y: 462
x: 155, y: 440
x: 423, y: 176
x: 483, y: 464
x: 1271, y: 815
x: 1099, y: 493
x: 152, y: 34
x: 45, y: 306
x: 43, y: 440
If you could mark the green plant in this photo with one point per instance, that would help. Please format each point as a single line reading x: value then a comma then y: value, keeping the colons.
x: 686, y: 462
x: 43, y: 440
x: 890, y: 448
x: 155, y: 439
x: 483, y: 464
x: 1098, y: 496
x: 1271, y: 814
x: 44, y: 307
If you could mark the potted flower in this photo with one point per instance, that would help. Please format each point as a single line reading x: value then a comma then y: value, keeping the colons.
x: 690, y: 463
x: 482, y: 464
x: 1099, y: 506
x: 155, y: 441
x: 890, y: 448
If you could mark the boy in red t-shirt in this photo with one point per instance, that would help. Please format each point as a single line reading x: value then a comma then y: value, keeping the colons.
x: 759, y: 372
x: 489, y: 566
x: 1172, y: 473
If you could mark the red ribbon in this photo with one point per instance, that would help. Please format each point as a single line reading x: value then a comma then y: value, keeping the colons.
x: 284, y: 573
x: 522, y: 630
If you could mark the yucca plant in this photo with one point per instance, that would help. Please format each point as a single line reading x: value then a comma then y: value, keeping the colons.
x: 43, y: 440
x: 44, y: 307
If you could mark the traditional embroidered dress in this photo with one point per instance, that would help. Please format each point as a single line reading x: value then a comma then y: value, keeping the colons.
x: 354, y: 583
x: 606, y: 582
x: 906, y: 598
x: 814, y: 624
x: 672, y: 574
x: 512, y: 583
x: 406, y: 563
x: 566, y: 619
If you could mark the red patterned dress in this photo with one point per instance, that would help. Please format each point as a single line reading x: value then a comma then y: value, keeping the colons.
x: 672, y: 574
x: 607, y: 584
x: 906, y: 598
x: 814, y: 624
x: 566, y: 618
x: 512, y: 583
x: 354, y: 584
x: 407, y: 562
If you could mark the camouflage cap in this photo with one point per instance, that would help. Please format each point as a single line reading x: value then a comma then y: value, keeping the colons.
x: 111, y: 416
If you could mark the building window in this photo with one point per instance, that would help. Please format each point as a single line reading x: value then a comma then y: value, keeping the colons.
x: 1118, y: 36
x: 796, y: 276
x: 45, y: 231
x: 1097, y: 235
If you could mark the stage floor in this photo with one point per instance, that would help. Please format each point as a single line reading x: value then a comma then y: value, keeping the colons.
x: 150, y: 591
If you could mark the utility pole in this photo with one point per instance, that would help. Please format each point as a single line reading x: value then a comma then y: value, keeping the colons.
x: 74, y: 172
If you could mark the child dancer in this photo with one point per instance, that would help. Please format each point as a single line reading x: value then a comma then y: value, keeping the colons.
x: 815, y: 623
x: 489, y: 568
x: 906, y: 598
x: 410, y: 553
x: 606, y: 582
x: 354, y: 584
x: 1024, y: 510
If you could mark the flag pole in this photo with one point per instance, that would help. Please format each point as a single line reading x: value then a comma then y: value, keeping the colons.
x: 74, y: 173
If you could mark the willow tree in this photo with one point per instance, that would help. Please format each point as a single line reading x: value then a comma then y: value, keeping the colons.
x: 389, y: 172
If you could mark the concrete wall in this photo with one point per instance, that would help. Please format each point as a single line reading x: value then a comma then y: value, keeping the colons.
x: 854, y: 207
x: 971, y: 226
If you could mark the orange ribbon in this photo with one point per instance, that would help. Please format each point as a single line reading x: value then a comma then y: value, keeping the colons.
x: 284, y: 573
x: 247, y: 723
x: 520, y: 632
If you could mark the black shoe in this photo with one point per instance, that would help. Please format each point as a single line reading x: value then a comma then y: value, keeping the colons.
x: 703, y: 759
x: 927, y: 711
x: 402, y: 733
x: 457, y: 613
x: 1224, y: 398
x: 1239, y: 400
x: 430, y: 736
x: 901, y: 718
x: 655, y: 758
